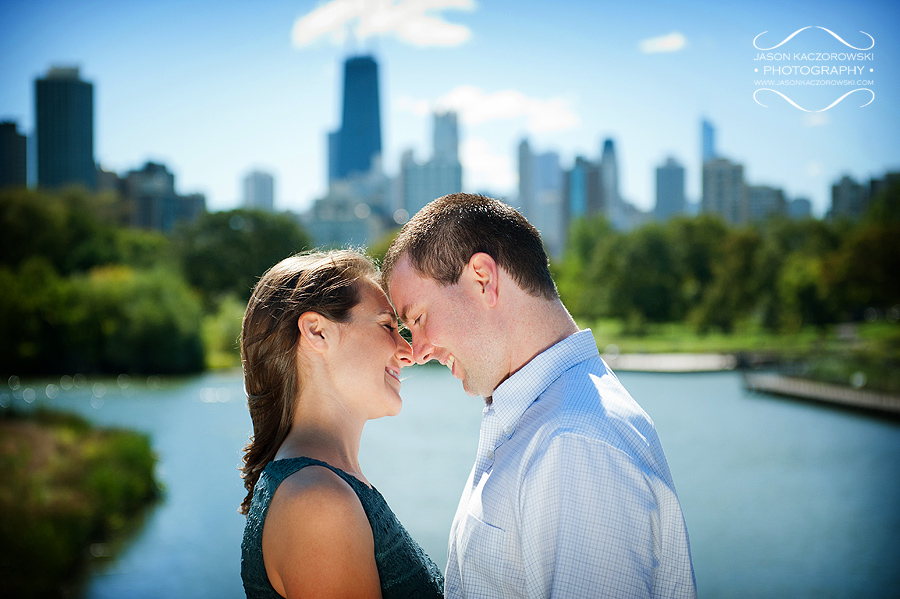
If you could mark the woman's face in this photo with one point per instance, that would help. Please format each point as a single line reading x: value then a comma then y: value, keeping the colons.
x: 370, y: 355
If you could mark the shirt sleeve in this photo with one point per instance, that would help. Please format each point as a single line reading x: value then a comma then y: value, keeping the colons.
x: 589, y: 522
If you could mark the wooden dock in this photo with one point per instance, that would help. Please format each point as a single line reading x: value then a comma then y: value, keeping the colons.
x: 847, y: 397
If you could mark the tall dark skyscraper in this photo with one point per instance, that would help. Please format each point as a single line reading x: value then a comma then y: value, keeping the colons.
x: 12, y: 156
x: 354, y: 148
x: 64, y: 105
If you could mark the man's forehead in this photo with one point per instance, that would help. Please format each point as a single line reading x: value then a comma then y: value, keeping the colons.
x: 403, y: 287
x: 403, y: 277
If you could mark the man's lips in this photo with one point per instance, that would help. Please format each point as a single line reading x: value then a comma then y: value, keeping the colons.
x: 450, y: 362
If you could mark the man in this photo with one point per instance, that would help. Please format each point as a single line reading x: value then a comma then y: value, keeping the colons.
x: 570, y: 494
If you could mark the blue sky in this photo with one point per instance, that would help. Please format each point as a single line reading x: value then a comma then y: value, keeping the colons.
x: 215, y: 89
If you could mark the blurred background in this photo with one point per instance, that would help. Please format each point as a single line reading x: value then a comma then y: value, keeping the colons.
x: 718, y: 190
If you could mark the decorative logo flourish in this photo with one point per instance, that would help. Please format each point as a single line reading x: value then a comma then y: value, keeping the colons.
x: 795, y: 105
x: 836, y: 36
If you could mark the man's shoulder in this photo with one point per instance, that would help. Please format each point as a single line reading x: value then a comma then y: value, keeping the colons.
x: 588, y: 400
x: 589, y: 386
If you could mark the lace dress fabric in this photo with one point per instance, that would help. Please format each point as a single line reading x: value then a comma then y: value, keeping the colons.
x: 404, y: 569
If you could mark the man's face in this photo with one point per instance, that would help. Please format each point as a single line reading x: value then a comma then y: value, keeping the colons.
x: 448, y: 324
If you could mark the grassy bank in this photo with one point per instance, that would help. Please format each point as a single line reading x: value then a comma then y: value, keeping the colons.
x: 862, y: 355
x: 66, y: 486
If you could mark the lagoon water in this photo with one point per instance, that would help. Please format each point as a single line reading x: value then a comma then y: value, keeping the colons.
x: 782, y: 499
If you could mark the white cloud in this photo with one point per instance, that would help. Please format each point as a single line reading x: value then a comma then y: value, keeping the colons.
x: 418, y: 22
x: 485, y: 169
x: 672, y: 42
x: 475, y: 107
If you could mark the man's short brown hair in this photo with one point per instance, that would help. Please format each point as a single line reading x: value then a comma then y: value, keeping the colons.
x: 442, y: 237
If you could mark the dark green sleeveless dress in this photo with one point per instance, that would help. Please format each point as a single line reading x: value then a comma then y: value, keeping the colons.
x: 403, y: 567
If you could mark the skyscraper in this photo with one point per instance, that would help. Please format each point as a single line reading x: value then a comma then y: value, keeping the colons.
x: 849, y: 199
x: 441, y: 175
x: 446, y: 137
x: 150, y: 192
x: 669, y: 190
x: 577, y: 187
x: 800, y: 208
x: 541, y: 196
x: 526, y: 179
x: 723, y: 189
x: 259, y: 191
x: 707, y: 141
x: 64, y: 105
x: 355, y: 148
x: 762, y: 202
x: 13, y: 149
x: 610, y: 201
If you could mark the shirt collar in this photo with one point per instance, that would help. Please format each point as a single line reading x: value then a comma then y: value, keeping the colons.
x: 513, y: 396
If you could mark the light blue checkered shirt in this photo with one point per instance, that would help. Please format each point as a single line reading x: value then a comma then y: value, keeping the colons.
x: 571, y: 494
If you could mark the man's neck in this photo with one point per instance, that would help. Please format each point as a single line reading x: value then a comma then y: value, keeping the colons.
x: 535, y: 326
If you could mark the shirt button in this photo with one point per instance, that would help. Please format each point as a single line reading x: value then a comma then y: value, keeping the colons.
x: 490, y: 455
x: 507, y: 431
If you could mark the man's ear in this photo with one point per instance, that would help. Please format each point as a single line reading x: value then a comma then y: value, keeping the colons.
x: 484, y: 272
x: 315, y: 330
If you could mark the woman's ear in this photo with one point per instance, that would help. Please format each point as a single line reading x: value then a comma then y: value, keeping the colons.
x: 313, y: 329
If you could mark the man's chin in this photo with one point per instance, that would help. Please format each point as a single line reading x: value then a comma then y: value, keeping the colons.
x: 469, y: 390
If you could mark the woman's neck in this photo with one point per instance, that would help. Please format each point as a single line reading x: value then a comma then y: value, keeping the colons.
x: 324, y: 430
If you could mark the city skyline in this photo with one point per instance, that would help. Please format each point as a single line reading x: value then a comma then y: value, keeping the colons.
x: 217, y: 93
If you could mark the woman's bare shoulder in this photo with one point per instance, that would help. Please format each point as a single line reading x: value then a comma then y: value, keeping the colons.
x: 317, y: 539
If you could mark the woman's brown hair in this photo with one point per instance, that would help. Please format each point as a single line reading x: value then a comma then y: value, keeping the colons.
x: 321, y: 282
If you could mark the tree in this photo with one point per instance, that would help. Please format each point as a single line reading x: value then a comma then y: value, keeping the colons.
x: 112, y: 319
x: 791, y: 291
x: 734, y: 291
x: 73, y: 230
x: 226, y: 252
x: 134, y: 321
x: 641, y: 275
x: 586, y: 238
x: 863, y: 272
x: 379, y: 249
x: 696, y: 246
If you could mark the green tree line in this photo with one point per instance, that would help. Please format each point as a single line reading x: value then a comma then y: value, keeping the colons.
x: 781, y: 274
x: 83, y: 293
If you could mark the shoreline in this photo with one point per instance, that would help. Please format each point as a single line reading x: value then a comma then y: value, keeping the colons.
x: 671, y: 362
x: 835, y: 395
x: 759, y: 382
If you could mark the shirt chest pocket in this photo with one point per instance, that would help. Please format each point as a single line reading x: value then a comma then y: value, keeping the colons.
x: 490, y: 563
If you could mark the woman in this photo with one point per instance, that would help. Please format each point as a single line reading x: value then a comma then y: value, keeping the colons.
x: 321, y: 356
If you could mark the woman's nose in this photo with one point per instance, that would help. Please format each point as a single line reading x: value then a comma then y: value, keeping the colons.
x: 404, y: 351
